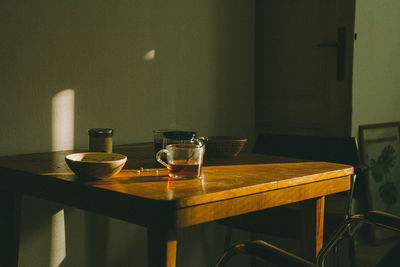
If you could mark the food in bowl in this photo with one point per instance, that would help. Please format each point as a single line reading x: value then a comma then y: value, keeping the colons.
x: 95, y: 165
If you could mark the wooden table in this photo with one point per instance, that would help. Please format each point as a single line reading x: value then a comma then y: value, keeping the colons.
x: 228, y: 187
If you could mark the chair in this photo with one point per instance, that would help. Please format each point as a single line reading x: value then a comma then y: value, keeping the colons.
x: 333, y: 253
x: 318, y: 148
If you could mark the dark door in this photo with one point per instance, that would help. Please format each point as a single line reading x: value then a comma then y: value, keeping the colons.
x: 303, y: 66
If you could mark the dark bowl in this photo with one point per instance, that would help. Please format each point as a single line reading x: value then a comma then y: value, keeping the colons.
x: 224, y: 146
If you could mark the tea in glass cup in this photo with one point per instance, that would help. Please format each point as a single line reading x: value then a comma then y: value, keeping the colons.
x: 184, y: 161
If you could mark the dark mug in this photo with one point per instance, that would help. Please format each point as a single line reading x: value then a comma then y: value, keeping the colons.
x: 164, y: 137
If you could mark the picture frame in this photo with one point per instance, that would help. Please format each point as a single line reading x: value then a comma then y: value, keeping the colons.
x: 380, y: 152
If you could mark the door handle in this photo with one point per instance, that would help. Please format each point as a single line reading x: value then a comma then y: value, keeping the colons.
x: 341, y: 49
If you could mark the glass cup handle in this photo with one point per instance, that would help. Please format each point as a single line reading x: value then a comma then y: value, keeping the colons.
x: 158, y: 157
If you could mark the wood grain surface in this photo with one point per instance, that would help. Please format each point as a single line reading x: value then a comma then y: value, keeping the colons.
x: 144, y: 182
x: 142, y: 193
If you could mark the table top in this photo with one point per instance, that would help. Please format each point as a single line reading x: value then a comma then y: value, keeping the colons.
x: 142, y: 184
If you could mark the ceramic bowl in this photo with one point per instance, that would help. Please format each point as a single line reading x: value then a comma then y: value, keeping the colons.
x: 224, y: 146
x: 95, y: 165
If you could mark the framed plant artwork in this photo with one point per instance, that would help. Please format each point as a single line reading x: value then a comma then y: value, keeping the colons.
x: 380, y: 151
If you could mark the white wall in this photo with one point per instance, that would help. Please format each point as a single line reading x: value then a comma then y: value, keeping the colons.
x: 134, y: 66
x: 376, y: 82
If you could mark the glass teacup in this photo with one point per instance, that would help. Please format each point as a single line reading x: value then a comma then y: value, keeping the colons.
x: 184, y: 161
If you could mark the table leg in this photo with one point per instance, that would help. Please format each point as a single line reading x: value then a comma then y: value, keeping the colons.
x: 10, y: 209
x: 312, y: 227
x: 162, y: 244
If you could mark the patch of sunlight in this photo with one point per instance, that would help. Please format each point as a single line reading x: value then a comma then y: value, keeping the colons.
x: 57, y: 242
x: 149, y: 56
x: 63, y: 106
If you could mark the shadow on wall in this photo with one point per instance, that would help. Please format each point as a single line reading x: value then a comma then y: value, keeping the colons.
x: 42, y: 234
x: 46, y: 229
x: 47, y: 233
x: 215, y: 89
x: 58, y: 236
